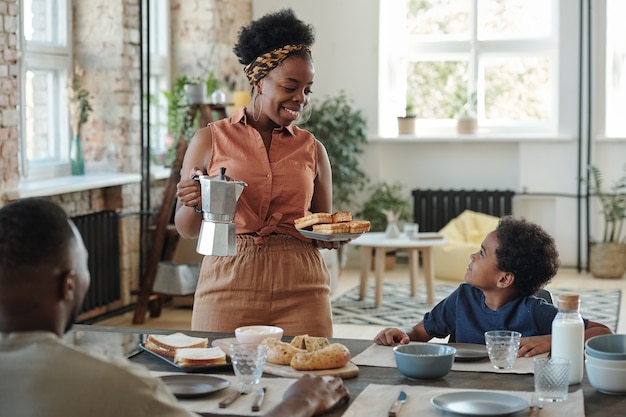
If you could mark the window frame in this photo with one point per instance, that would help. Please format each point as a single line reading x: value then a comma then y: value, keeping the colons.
x: 396, y: 51
x: 58, y: 59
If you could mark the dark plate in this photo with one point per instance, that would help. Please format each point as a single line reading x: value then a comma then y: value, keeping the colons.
x: 190, y: 369
x: 192, y: 386
x: 467, y: 352
x: 329, y: 237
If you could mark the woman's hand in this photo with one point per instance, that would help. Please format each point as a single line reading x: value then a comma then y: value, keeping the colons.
x: 188, y: 190
x: 391, y: 336
x: 322, y: 244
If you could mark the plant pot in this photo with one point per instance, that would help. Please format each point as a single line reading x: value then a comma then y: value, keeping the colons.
x: 607, y: 260
x: 466, y: 125
x: 195, y: 93
x: 406, y: 125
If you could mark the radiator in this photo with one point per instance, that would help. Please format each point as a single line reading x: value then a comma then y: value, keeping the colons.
x: 433, y: 209
x: 100, y: 232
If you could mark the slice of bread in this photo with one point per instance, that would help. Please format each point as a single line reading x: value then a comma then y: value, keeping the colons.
x: 311, y: 219
x: 342, y: 216
x: 359, y: 226
x: 199, y: 356
x: 168, y: 344
x: 158, y: 349
x: 331, y: 228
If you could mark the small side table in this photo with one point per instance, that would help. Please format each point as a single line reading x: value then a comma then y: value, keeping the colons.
x: 379, y: 244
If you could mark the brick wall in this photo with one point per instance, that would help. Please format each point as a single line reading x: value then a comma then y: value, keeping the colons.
x: 106, y: 45
x: 9, y: 97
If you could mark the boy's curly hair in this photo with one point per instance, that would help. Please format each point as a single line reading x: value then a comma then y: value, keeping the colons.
x: 527, y: 251
x: 271, y: 32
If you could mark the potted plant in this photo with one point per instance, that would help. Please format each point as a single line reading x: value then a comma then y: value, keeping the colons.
x: 179, y: 122
x: 343, y: 131
x: 384, y: 198
x: 607, y: 258
x: 78, y: 97
x: 466, y: 122
x: 406, y: 123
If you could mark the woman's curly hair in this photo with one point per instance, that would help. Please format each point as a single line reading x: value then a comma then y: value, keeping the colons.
x: 528, y: 252
x: 271, y: 32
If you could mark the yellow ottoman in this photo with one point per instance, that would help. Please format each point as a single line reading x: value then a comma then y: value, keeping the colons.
x: 465, y: 234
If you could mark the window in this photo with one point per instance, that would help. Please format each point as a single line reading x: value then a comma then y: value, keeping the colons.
x: 159, y: 77
x: 44, y: 64
x: 615, y: 68
x: 498, y: 59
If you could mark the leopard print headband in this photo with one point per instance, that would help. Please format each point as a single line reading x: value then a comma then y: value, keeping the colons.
x: 261, y: 66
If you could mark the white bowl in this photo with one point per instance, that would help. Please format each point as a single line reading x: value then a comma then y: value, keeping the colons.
x: 256, y: 334
x: 606, y: 380
x: 605, y: 363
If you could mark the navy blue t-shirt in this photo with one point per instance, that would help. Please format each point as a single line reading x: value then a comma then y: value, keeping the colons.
x: 464, y: 314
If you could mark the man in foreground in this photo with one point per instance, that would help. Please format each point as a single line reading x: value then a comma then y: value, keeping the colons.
x: 43, y: 281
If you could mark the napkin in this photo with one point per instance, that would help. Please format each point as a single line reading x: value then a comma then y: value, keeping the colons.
x: 276, y: 387
x: 382, y: 356
x: 375, y: 401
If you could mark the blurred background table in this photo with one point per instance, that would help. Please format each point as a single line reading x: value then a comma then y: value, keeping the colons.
x: 376, y: 244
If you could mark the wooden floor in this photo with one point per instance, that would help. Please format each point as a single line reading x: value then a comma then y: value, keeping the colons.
x: 178, y: 315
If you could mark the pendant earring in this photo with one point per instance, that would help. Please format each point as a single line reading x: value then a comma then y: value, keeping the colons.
x: 256, y: 118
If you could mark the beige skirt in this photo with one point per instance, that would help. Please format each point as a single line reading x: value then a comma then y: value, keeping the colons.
x: 283, y: 283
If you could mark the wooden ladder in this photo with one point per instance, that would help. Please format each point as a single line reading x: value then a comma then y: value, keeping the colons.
x: 165, y: 234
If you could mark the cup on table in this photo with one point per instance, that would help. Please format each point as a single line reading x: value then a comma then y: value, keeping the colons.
x: 248, y: 363
x: 502, y: 347
x: 551, y: 378
x: 411, y: 230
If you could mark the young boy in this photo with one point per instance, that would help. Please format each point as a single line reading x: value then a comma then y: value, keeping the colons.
x: 514, y: 262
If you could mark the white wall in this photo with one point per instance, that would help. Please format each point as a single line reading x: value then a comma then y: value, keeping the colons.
x: 346, y: 55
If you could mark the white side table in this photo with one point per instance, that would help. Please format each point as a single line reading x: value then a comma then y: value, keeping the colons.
x: 379, y: 244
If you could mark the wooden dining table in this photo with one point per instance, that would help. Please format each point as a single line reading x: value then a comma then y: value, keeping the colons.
x: 596, y: 404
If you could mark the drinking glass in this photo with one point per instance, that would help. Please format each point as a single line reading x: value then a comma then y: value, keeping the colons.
x: 248, y: 362
x: 502, y: 347
x: 411, y: 230
x: 551, y: 378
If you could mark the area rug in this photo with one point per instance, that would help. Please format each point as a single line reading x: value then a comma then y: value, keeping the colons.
x: 399, y: 309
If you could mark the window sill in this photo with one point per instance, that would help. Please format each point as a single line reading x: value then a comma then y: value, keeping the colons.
x: 479, y: 137
x: 71, y: 184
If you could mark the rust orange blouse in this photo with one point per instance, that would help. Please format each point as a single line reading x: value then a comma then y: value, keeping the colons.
x: 280, y: 184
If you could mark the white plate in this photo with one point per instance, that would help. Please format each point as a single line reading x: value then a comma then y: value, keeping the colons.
x: 479, y: 403
x: 192, y: 386
x: 329, y: 237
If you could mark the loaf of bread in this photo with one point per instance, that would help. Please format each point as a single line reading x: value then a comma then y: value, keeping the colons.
x: 306, y: 353
x: 333, y: 356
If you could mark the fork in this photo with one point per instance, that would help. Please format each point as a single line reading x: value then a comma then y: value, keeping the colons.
x: 535, y: 406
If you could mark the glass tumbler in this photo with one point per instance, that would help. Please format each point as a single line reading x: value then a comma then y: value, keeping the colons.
x: 248, y: 363
x: 502, y: 347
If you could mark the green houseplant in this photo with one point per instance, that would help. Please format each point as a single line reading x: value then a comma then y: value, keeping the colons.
x: 179, y: 122
x: 385, y: 196
x: 607, y: 258
x: 466, y: 122
x: 343, y: 131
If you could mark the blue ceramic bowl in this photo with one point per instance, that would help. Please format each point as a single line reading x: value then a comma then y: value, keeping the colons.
x: 424, y: 360
x: 607, y: 346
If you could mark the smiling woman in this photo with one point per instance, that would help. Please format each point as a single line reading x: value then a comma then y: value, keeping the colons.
x: 288, y: 175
